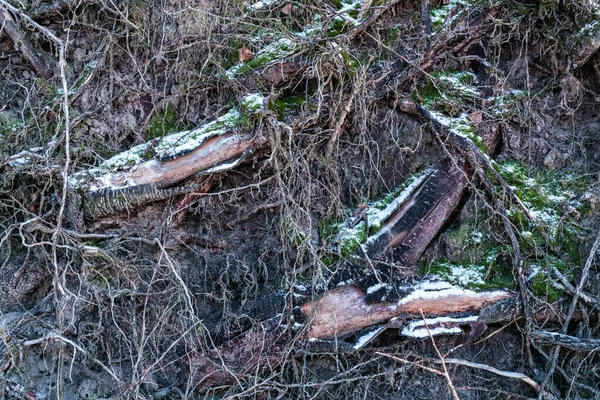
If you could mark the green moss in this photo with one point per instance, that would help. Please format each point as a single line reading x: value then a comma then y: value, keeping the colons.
x: 329, y: 228
x: 351, y: 63
x: 542, y: 288
x: 428, y: 95
x: 85, y: 74
x: 337, y: 26
x: 468, y: 241
x: 163, y: 123
x: 391, y: 36
x: 353, y: 238
x: 547, y: 195
x: 8, y: 127
x: 447, y: 95
x: 278, y: 49
x: 290, y: 103
x: 486, y: 275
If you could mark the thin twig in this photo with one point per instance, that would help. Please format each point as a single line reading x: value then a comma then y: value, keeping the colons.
x: 508, y: 374
x: 446, y: 375
x: 339, y: 126
x: 435, y: 371
x: 582, y: 282
x: 52, y: 336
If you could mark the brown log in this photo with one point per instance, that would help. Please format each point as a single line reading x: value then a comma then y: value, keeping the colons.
x: 338, y: 313
x: 211, y: 154
x: 409, y: 230
x: 344, y: 310
x: 16, y: 35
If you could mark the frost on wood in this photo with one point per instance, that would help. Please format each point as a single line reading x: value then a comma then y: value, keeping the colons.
x: 411, y: 222
x: 139, y: 175
x: 344, y: 310
x: 420, y: 329
x: 402, y: 225
x: 338, y: 313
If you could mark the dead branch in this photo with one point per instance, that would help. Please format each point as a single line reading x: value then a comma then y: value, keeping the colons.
x: 345, y: 310
x: 22, y: 44
x: 489, y: 368
x: 441, y: 359
x: 570, y: 342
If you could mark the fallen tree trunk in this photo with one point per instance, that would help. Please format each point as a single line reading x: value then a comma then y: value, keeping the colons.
x: 337, y: 314
x: 416, y: 216
x: 139, y: 175
x: 345, y: 310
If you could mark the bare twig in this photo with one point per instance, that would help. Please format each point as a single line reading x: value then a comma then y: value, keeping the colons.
x: 446, y: 375
x: 568, y: 286
x: 405, y: 361
x: 508, y: 374
x: 582, y: 282
x: 339, y: 126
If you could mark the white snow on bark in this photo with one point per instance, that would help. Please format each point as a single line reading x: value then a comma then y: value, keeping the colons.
x: 437, y: 326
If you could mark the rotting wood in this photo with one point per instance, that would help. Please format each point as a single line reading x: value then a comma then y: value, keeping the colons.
x: 338, y: 313
x: 409, y: 230
x: 16, y: 35
x: 570, y: 342
x: 217, y: 153
x: 345, y: 310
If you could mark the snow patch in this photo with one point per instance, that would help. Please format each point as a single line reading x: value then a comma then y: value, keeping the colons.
x: 431, y: 290
x: 366, y: 338
x: 170, y: 146
x: 374, y: 288
x: 437, y: 326
x: 260, y: 5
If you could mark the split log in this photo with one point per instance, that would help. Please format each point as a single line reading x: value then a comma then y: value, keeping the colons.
x: 416, y: 217
x: 342, y: 312
x: 345, y: 310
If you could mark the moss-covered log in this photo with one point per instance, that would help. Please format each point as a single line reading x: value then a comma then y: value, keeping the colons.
x: 141, y: 174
